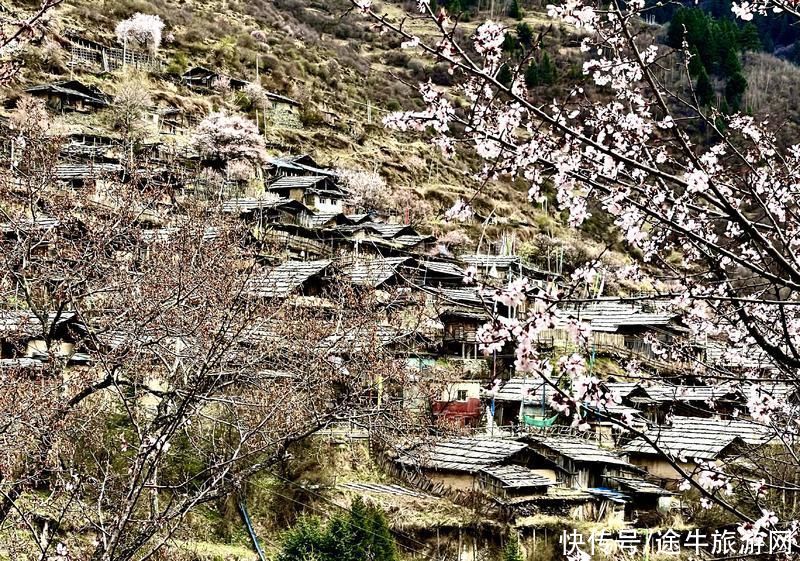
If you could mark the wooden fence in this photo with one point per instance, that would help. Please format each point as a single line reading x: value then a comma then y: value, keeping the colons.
x: 296, y: 243
x: 111, y: 58
x: 618, y: 346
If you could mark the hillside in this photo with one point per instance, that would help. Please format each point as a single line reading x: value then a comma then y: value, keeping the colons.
x: 346, y: 75
x: 233, y: 349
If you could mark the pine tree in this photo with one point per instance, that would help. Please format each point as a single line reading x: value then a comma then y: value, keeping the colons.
x: 525, y: 35
x: 675, y: 32
x: 704, y: 90
x: 504, y: 75
x: 360, y: 534
x: 514, y: 11
x: 734, y: 89
x: 512, y: 551
x: 306, y: 541
x: 383, y: 544
x: 532, y: 75
x: 547, y: 70
x: 454, y: 7
x: 729, y: 63
x: 340, y: 539
x: 510, y: 43
x: 748, y: 38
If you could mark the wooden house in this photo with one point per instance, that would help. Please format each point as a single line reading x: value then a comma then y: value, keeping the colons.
x: 656, y: 402
x: 263, y: 212
x: 200, y: 77
x: 440, y: 273
x: 580, y: 463
x: 307, y: 278
x: 282, y: 111
x: 378, y: 272
x: 379, y: 237
x: 22, y: 335
x: 523, y: 401
x: 456, y: 463
x: 329, y: 220
x: 87, y: 174
x: 643, y: 495
x: 504, y: 267
x: 294, y: 165
x: 43, y: 229
x: 689, y: 439
x: 70, y: 95
x: 315, y: 191
x: 459, y: 401
x: 622, y: 327
x: 461, y: 326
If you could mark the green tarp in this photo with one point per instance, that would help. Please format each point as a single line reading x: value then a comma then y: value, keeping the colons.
x: 540, y: 423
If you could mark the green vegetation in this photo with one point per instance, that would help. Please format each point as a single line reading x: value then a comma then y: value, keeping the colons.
x: 715, y: 46
x: 512, y: 551
x: 541, y: 74
x: 514, y: 11
x: 360, y: 533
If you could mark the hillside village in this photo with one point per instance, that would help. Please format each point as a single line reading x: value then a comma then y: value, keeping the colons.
x: 495, y: 446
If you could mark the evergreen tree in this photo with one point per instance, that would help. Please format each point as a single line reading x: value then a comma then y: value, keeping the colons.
x: 748, y: 38
x: 514, y: 11
x: 547, y: 70
x: 734, y: 89
x: 675, y: 32
x: 360, y: 534
x: 306, y: 541
x: 512, y: 550
x: 704, y: 90
x: 729, y: 64
x: 360, y: 530
x: 525, y: 35
x: 504, y: 75
x: 510, y: 43
x: 340, y: 539
x: 454, y: 6
x: 383, y: 544
x: 532, y: 75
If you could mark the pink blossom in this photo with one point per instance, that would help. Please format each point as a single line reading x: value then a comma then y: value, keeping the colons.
x: 142, y: 28
x: 461, y: 211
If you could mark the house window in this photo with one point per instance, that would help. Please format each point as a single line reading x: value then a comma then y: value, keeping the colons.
x: 461, y: 395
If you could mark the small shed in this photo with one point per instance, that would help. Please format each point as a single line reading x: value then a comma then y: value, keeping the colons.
x: 202, y: 77
x: 585, y: 463
x: 644, y: 495
x: 521, y: 399
x: 70, y: 95
x: 510, y: 481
